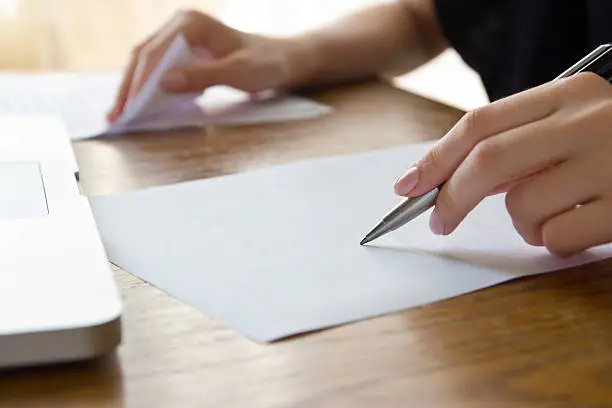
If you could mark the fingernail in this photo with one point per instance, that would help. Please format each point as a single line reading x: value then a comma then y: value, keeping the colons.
x: 436, y: 224
x: 174, y: 80
x: 407, y: 182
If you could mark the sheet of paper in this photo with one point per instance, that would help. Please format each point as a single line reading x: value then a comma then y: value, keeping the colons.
x: 83, y: 99
x: 152, y: 100
x: 276, y: 252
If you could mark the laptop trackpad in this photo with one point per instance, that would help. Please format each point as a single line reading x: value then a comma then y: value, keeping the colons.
x: 22, y: 192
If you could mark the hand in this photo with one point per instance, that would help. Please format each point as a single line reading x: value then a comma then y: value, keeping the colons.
x: 549, y: 148
x: 244, y: 61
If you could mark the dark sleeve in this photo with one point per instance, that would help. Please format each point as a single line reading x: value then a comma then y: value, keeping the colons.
x: 517, y: 44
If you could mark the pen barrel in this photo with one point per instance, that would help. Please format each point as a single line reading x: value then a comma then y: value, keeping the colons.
x: 598, y: 61
x: 409, y: 209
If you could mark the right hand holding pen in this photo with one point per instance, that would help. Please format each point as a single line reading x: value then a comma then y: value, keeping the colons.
x: 244, y: 61
x: 548, y: 148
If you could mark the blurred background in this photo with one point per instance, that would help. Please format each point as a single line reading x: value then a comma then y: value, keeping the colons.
x: 81, y: 35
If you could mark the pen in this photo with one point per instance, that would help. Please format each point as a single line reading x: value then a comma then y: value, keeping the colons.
x: 598, y: 61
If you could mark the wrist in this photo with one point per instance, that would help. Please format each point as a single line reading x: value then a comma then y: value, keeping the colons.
x: 301, y: 62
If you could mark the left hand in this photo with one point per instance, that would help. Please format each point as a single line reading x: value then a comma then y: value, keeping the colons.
x: 242, y: 60
x: 549, y: 148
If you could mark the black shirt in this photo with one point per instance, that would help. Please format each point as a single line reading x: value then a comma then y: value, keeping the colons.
x: 517, y: 44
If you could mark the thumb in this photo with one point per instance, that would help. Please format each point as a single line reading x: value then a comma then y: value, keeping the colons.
x: 201, y: 76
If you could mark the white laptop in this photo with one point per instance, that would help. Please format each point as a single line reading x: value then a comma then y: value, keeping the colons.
x: 58, y: 299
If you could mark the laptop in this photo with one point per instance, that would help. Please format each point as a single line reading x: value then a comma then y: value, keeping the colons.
x: 58, y: 298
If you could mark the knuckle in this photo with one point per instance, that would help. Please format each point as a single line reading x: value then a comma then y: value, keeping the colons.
x: 580, y: 83
x: 517, y: 204
x: 431, y: 160
x: 243, y: 67
x: 588, y: 80
x: 190, y: 15
x: 147, y: 49
x: 192, y: 23
x: 573, y: 126
x: 513, y: 205
x: 603, y: 109
x: 531, y: 238
x: 530, y: 233
x: 472, y: 124
x: 593, y: 116
x: 486, y: 155
x: 137, y: 50
x: 244, y: 62
x: 555, y: 240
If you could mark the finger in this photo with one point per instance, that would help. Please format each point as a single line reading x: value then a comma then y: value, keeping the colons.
x: 153, y: 51
x: 509, y: 185
x: 128, y: 78
x: 232, y: 71
x: 126, y: 82
x: 503, y: 187
x: 199, y: 77
x: 579, y: 229
x: 148, y: 61
x: 500, y: 116
x: 135, y: 69
x: 550, y: 193
x: 508, y: 156
x: 143, y: 70
x: 532, y: 236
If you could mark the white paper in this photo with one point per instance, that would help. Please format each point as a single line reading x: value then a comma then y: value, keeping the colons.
x: 152, y: 101
x: 83, y: 100
x: 276, y: 252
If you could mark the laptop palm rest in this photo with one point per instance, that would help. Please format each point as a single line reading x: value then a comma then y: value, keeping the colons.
x: 22, y: 191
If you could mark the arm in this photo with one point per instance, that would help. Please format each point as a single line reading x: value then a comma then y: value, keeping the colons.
x: 387, y: 38
x: 392, y: 38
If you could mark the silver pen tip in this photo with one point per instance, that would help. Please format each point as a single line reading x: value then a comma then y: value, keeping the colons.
x: 377, y: 231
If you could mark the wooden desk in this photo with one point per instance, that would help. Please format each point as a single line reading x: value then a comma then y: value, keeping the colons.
x: 537, y: 342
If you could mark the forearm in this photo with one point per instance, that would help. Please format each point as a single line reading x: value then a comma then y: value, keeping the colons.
x: 389, y: 38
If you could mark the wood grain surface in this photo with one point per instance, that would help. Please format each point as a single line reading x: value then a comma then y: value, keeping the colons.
x: 542, y: 341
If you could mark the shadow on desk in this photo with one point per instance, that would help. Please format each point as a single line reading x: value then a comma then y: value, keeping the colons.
x: 94, y: 382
